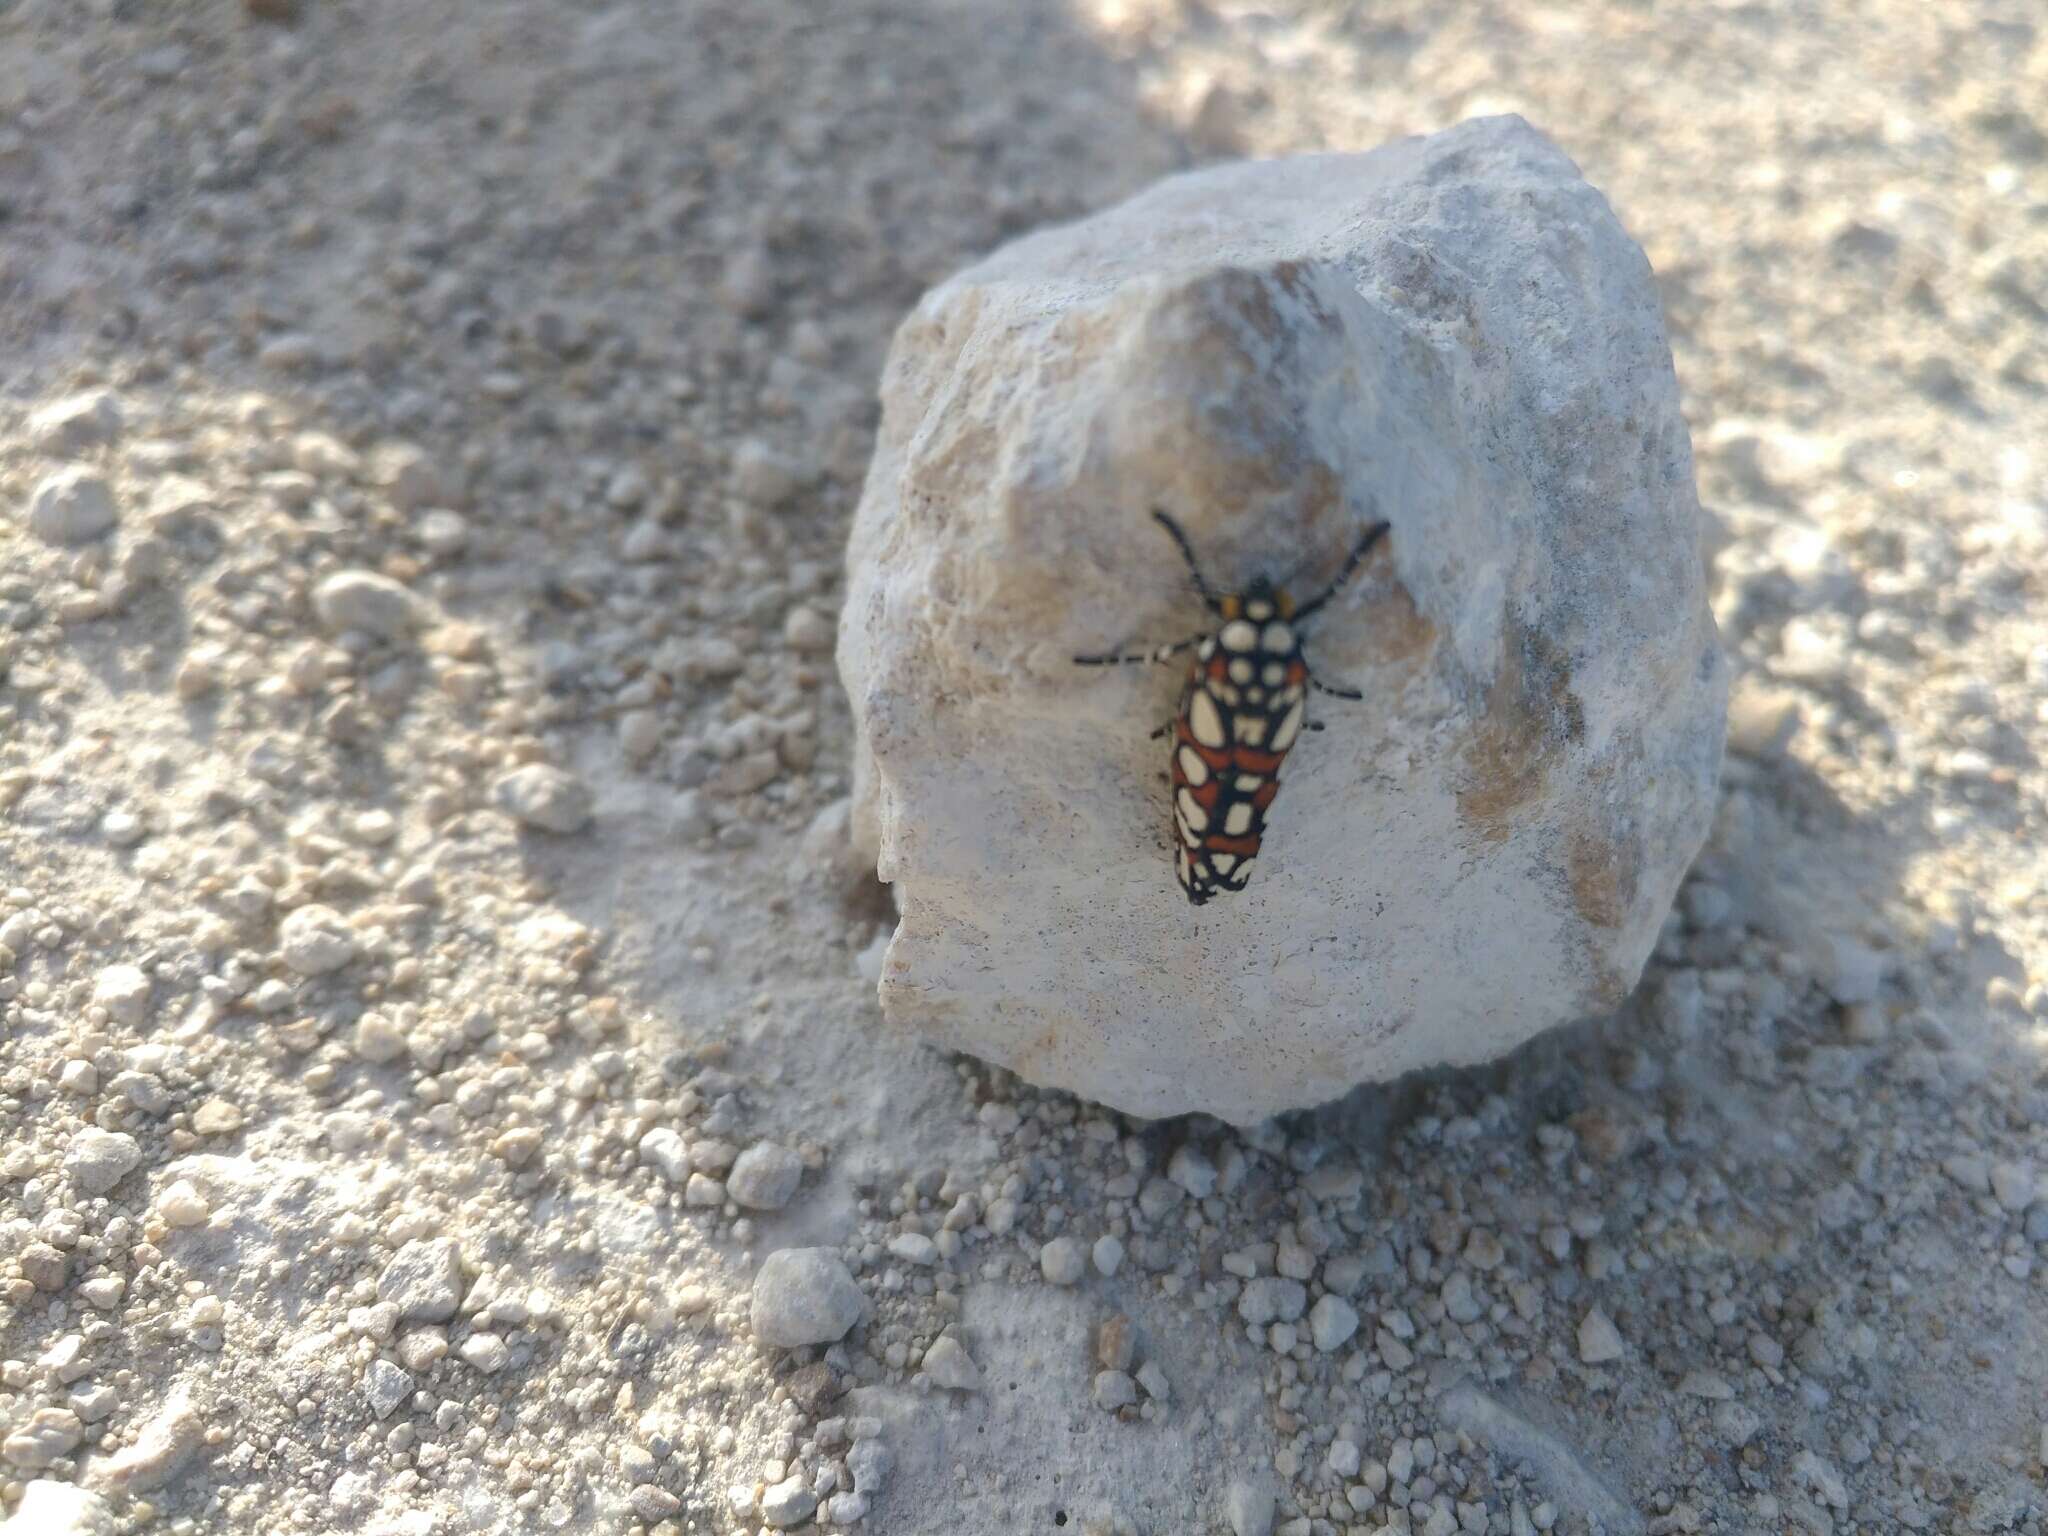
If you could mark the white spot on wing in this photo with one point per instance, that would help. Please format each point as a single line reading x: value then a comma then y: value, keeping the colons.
x: 1238, y: 819
x: 1241, y: 670
x: 1274, y: 675
x: 1192, y: 768
x: 1251, y: 729
x: 1289, y: 727
x: 1224, y: 863
x: 1278, y: 637
x: 1191, y: 813
x: 1238, y: 636
x: 1204, y: 721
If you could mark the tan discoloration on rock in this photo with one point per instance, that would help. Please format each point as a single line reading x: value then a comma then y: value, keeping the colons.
x: 1530, y: 715
x: 1396, y: 632
x: 1603, y: 879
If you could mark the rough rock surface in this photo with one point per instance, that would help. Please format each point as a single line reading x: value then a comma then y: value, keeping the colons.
x: 1452, y: 333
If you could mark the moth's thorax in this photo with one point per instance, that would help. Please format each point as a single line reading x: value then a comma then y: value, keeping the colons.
x: 1259, y: 602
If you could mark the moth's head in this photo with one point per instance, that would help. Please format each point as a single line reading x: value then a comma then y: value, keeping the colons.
x: 1259, y: 601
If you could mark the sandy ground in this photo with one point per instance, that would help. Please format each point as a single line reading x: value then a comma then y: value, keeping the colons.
x: 426, y: 443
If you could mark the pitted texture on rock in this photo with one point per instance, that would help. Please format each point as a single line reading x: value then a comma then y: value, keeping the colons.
x: 1452, y: 333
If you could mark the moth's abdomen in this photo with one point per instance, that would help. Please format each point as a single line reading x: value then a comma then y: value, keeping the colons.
x: 1239, y: 714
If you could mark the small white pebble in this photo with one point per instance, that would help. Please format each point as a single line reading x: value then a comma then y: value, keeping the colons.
x: 1599, y: 1340
x: 1114, y: 1390
x: 366, y: 603
x: 122, y: 829
x: 949, y: 1365
x: 72, y: 505
x: 377, y: 1039
x: 1192, y: 1171
x: 544, y: 797
x: 123, y: 990
x: 1062, y: 1262
x: 808, y: 631
x: 486, y: 1351
x: 914, y: 1248
x: 1332, y: 1322
x: 182, y: 1205
x: 316, y: 940
x: 664, y: 1149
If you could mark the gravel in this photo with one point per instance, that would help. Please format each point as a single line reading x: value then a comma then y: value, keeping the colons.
x: 76, y: 423
x: 72, y: 505
x: 1114, y: 1390
x: 123, y: 990
x: 316, y: 940
x: 545, y: 798
x: 1599, y: 1340
x: 52, y: 1508
x: 366, y: 603
x: 1248, y: 1508
x: 486, y: 1351
x: 1271, y: 1300
x: 765, y: 1177
x: 97, y: 1160
x: 804, y: 1296
x: 948, y: 1364
x: 386, y: 1385
x: 1332, y: 1322
x: 914, y: 1248
x: 423, y: 1280
x: 1062, y: 1261
x: 665, y: 1148
x: 788, y: 1503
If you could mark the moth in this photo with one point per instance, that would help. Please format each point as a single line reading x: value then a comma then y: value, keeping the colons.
x: 1243, y: 706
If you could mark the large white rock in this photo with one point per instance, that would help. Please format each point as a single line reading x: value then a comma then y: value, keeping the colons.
x: 1452, y: 333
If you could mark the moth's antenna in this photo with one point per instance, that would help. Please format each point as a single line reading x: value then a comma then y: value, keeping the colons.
x: 1187, y: 553
x: 1359, y: 551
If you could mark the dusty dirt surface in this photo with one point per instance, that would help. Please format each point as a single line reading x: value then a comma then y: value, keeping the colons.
x: 432, y: 974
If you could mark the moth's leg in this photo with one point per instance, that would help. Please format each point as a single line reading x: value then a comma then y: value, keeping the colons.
x: 1133, y: 658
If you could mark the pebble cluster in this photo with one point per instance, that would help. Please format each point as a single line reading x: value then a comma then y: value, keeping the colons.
x: 440, y: 1087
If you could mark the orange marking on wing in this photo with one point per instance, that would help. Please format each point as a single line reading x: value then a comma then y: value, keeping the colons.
x: 1296, y: 673
x: 1218, y: 667
x: 1265, y: 794
x: 1205, y: 797
x: 1251, y: 760
x: 1244, y: 847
